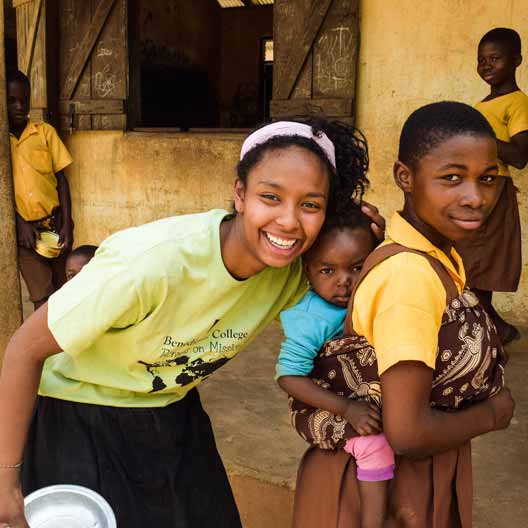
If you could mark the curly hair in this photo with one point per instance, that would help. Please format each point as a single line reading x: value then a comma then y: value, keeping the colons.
x: 350, y: 218
x: 432, y: 124
x: 347, y: 181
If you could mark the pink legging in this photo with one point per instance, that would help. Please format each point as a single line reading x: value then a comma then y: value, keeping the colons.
x: 374, y: 457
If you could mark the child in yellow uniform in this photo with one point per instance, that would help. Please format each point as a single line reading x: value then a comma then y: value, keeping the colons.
x: 415, y: 338
x: 42, y: 194
x: 492, y: 257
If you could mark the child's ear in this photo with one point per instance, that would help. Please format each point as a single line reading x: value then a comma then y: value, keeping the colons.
x: 240, y: 195
x: 403, y: 176
x: 518, y: 60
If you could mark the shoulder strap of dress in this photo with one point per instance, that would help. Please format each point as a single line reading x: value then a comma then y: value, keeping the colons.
x: 389, y: 250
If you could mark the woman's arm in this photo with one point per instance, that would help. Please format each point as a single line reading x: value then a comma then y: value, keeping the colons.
x: 515, y: 152
x: 413, y: 428
x: 19, y: 380
x: 363, y: 417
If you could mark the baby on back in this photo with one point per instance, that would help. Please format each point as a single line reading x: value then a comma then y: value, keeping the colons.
x: 333, y: 266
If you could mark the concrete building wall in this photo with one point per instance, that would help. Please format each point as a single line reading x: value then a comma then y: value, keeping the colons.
x: 123, y: 179
x: 408, y: 57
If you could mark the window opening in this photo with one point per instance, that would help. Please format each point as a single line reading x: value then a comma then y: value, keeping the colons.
x: 202, y: 64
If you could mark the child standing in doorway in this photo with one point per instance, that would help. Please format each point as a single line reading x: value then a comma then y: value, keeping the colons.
x: 492, y: 257
x: 42, y: 193
x: 332, y: 266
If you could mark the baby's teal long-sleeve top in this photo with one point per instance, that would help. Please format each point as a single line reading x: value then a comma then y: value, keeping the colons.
x: 307, y: 326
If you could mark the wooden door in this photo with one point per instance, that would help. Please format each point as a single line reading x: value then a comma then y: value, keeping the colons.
x: 93, y: 64
x: 31, y: 52
x: 316, y: 46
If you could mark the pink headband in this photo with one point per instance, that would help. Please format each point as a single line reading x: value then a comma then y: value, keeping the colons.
x: 288, y: 128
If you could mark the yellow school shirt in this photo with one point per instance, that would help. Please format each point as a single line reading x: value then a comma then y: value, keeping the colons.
x: 507, y: 115
x: 399, y: 305
x: 36, y: 157
x: 155, y: 312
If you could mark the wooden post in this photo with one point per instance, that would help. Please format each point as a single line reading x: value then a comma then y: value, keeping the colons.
x: 10, y: 305
x: 31, y: 51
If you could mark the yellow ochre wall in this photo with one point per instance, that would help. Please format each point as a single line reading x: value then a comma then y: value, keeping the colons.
x: 121, y: 179
x: 411, y: 53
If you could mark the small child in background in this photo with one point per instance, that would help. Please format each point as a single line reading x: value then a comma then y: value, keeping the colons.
x: 332, y: 266
x: 492, y: 258
x: 42, y: 193
x: 77, y: 259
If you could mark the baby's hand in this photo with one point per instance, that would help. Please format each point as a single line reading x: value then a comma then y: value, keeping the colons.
x: 364, y: 417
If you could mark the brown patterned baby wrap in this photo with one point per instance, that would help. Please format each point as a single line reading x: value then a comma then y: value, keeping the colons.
x: 469, y: 363
x: 431, y: 492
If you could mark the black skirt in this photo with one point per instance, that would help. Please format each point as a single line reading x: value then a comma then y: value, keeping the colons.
x: 155, y: 466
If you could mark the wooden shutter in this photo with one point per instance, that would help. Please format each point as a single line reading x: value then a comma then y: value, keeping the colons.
x: 93, y: 64
x: 316, y: 49
x: 31, y: 52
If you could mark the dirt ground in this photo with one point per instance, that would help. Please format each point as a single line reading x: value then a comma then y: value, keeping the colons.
x: 249, y: 414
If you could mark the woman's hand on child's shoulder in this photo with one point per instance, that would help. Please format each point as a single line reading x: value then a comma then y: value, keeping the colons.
x: 364, y: 417
x: 502, y: 406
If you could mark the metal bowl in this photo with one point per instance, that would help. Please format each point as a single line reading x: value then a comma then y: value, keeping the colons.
x: 48, y: 244
x: 70, y: 506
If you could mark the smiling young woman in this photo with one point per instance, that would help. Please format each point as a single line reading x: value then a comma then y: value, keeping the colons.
x: 117, y: 353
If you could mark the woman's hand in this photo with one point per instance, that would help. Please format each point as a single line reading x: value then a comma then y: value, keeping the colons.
x: 11, y: 500
x: 502, y: 406
x: 378, y: 222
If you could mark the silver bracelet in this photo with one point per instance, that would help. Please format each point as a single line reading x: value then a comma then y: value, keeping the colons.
x: 10, y: 466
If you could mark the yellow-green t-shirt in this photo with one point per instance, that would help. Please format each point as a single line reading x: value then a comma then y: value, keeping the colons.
x: 155, y: 312
x: 507, y: 115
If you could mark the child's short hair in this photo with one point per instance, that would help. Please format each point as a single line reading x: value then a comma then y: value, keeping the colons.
x: 350, y: 218
x: 507, y: 36
x: 435, y: 123
x: 18, y: 76
x: 86, y: 251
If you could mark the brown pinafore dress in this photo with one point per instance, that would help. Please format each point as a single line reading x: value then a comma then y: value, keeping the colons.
x: 431, y: 492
